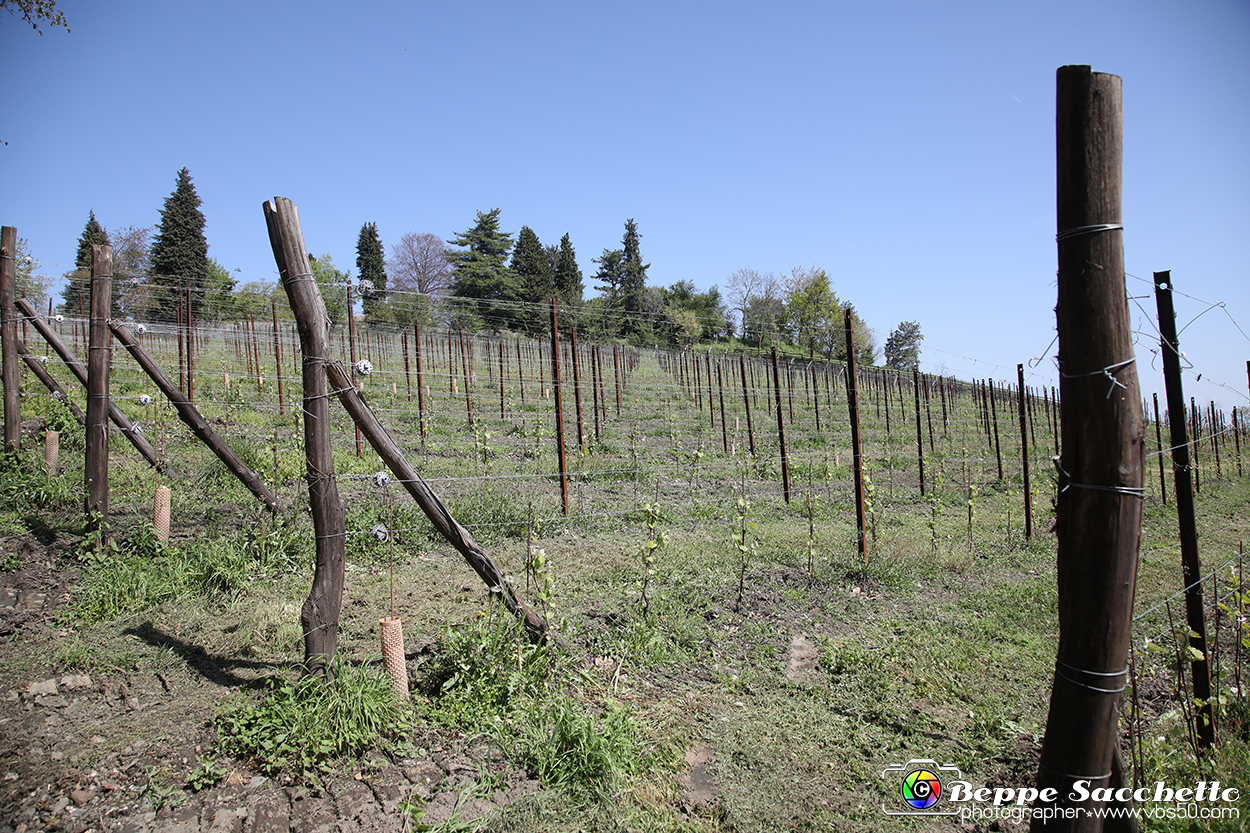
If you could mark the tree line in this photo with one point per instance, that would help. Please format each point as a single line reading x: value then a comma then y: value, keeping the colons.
x: 481, y: 279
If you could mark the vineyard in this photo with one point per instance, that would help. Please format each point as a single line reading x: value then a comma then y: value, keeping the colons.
x: 686, y: 522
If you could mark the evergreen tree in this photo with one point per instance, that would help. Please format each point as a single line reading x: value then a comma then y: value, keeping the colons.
x: 370, y: 268
x: 482, y: 272
x: 179, y: 251
x: 902, y: 348
x: 77, y: 292
x: 633, y: 277
x: 531, y: 267
x: 567, y: 276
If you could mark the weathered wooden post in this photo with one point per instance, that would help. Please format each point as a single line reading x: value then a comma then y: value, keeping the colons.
x: 915, y: 376
x: 8, y: 338
x: 781, y: 429
x: 96, y: 469
x: 746, y: 400
x: 852, y: 404
x: 1024, y: 459
x: 320, y: 613
x: 1191, y: 565
x: 1099, y: 504
x: 555, y: 385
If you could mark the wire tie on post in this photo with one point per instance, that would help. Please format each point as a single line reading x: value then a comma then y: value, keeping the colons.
x: 1083, y: 230
x: 1059, y: 662
x: 1106, y: 371
x: 1130, y: 491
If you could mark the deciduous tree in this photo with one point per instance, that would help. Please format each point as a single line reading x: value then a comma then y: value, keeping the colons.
x: 35, y: 12
x: 419, y: 263
x: 332, y: 282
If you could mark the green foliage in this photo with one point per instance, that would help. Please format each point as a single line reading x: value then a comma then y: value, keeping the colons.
x: 902, y: 348
x: 308, y: 725
x: 534, y: 273
x: 25, y: 486
x: 35, y: 12
x: 206, y: 775
x: 370, y: 268
x: 745, y: 542
x: 481, y: 272
x: 568, y: 276
x: 332, y: 282
x: 179, y: 251
x: 647, y: 553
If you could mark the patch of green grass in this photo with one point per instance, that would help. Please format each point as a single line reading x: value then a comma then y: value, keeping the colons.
x: 310, y: 724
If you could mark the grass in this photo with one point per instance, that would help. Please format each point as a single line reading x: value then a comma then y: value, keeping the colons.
x: 937, y: 645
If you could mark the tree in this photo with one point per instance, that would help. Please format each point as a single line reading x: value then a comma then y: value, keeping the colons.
x: 179, y: 251
x: 745, y: 285
x: 481, y: 271
x: 608, y: 282
x: 419, y: 263
x: 902, y: 348
x: 568, y: 277
x: 36, y: 11
x: 219, y: 300
x: 633, y: 276
x: 77, y: 291
x: 707, y: 309
x: 30, y: 284
x: 132, y: 250
x: 332, y: 282
x: 532, y: 268
x: 812, y: 318
x: 370, y: 269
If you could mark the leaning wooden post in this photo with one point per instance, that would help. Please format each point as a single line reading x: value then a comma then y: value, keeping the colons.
x: 80, y: 373
x: 8, y: 338
x: 320, y: 613
x: 555, y: 385
x: 1191, y: 565
x: 852, y: 404
x: 194, y: 420
x: 440, y: 517
x: 58, y: 393
x: 1024, y: 459
x: 1099, y: 504
x: 96, y: 470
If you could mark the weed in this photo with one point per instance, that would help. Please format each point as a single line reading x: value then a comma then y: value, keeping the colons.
x: 206, y: 775
x: 647, y: 552
x: 309, y: 724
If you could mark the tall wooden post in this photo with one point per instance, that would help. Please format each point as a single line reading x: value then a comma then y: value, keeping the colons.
x: 277, y: 354
x: 1099, y: 505
x: 8, y: 338
x: 555, y: 387
x: 781, y: 429
x: 96, y: 470
x: 915, y: 379
x: 319, y: 616
x: 1191, y: 565
x: 746, y: 400
x: 1024, y: 458
x: 857, y: 457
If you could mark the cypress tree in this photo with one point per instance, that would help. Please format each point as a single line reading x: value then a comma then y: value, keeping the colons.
x: 371, y: 268
x: 77, y: 292
x: 633, y: 277
x: 568, y: 277
x: 179, y: 251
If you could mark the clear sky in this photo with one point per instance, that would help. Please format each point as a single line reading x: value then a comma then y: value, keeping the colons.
x: 905, y: 147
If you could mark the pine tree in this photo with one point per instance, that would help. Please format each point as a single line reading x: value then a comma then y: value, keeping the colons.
x: 77, y: 292
x: 633, y: 277
x: 534, y: 275
x: 482, y: 273
x: 179, y: 251
x: 370, y: 268
x: 902, y: 348
x: 568, y: 277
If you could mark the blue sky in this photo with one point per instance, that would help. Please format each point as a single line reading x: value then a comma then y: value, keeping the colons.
x: 905, y: 147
